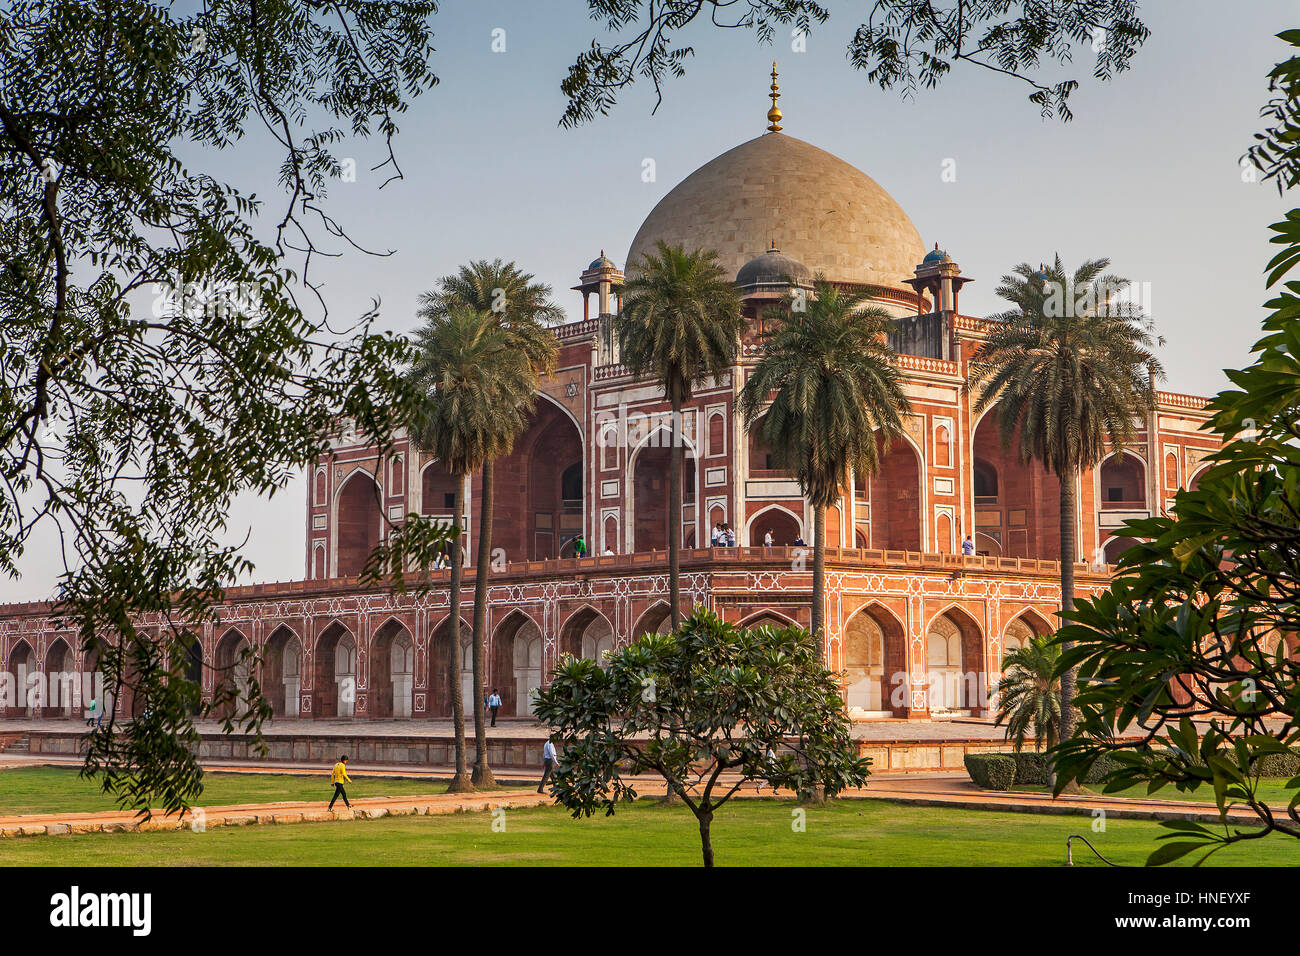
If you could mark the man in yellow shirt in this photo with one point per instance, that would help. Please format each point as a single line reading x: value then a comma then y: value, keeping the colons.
x: 339, y: 777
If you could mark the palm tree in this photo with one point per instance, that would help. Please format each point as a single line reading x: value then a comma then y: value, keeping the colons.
x: 831, y: 369
x: 473, y: 373
x: 1029, y: 694
x: 523, y: 308
x: 681, y: 323
x: 1069, y: 367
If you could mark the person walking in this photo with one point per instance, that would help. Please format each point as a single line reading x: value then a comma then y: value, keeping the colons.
x: 339, y: 777
x: 549, y: 760
x: 90, y: 715
x: 968, y: 546
x: 494, y: 705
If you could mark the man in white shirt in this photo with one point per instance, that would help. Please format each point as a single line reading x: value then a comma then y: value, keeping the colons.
x: 494, y: 705
x: 549, y: 760
x: 767, y: 539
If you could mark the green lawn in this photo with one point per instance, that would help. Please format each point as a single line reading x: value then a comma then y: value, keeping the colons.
x: 1273, y: 790
x: 61, y: 790
x: 751, y: 832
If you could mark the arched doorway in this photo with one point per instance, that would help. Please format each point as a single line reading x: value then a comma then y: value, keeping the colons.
x: 765, y: 619
x: 61, y: 681
x: 587, y: 634
x: 282, y: 670
x: 954, y: 663
x: 335, y: 672
x: 785, y: 528
x: 234, y: 667
x: 392, y: 671
x: 517, y: 663
x: 650, y: 477
x: 538, y: 489
x: 440, y: 665
x: 1123, y: 483
x: 875, y: 664
x: 1017, y: 505
x: 894, y: 498
x: 1116, y: 546
x: 656, y: 620
x: 358, y: 517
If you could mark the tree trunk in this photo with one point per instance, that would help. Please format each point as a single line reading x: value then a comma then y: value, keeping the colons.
x: 819, y: 579
x: 675, y: 512
x: 460, y: 782
x: 1068, y: 549
x: 482, y: 776
x: 706, y: 845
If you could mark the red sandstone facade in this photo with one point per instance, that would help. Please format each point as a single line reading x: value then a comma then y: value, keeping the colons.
x: 914, y: 626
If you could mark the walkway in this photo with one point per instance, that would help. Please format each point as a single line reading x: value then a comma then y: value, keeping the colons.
x: 935, y: 790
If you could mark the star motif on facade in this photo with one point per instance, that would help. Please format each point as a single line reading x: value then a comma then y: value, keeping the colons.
x: 571, y: 389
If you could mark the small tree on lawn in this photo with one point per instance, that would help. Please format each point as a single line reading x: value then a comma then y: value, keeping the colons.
x: 690, y: 706
x: 1029, y: 694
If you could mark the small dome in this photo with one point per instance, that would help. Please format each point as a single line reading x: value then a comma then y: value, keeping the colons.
x: 601, y: 263
x: 773, y: 268
x: 935, y: 255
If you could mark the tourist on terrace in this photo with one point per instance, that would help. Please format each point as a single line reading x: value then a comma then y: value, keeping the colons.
x: 579, y: 547
x: 339, y: 777
x: 968, y: 546
x: 716, y: 534
x: 767, y: 539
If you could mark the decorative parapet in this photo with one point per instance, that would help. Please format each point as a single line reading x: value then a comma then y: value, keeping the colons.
x: 576, y: 330
x: 919, y: 363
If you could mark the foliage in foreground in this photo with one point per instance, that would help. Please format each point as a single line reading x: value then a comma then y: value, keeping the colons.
x: 1194, y: 646
x: 692, y: 705
x: 155, y: 362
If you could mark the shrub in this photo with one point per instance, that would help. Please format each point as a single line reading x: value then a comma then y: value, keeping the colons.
x: 991, y: 771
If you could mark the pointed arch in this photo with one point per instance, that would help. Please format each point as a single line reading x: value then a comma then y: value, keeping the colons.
x: 440, y: 664
x: 516, y: 661
x: 392, y: 669
x: 586, y: 633
x: 656, y: 619
x: 1036, y: 621
x: 282, y: 671
x: 780, y: 518
x: 649, y: 465
x: 875, y: 660
x: 766, y: 618
x: 956, y: 672
x: 60, y: 679
x: 233, y: 668
x: 21, y: 664
x: 358, y: 521
x: 334, y: 673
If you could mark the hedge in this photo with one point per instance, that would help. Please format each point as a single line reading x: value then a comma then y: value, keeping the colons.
x: 1028, y: 769
x: 991, y: 771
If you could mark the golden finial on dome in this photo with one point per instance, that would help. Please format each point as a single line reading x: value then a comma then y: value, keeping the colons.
x: 774, y: 114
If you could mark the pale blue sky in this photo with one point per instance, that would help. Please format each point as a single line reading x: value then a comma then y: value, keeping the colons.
x: 1147, y: 173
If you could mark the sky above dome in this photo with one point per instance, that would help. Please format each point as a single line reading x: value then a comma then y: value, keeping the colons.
x: 1147, y: 173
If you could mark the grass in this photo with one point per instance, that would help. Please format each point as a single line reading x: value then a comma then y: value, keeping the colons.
x: 61, y: 790
x: 750, y: 832
x: 1273, y: 791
